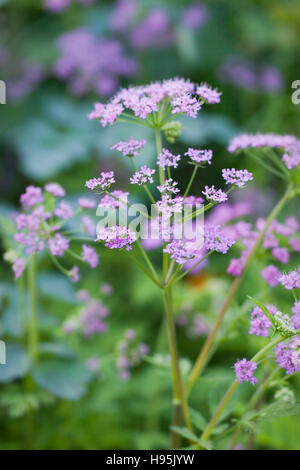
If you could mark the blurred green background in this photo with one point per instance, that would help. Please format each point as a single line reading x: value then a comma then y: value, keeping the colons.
x: 57, y: 58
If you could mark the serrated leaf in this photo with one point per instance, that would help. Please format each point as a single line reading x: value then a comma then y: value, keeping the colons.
x: 186, y: 433
x: 278, y: 409
x: 198, y: 420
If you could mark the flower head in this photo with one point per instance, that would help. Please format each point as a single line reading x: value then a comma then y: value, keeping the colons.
x: 129, y: 148
x: 244, y: 371
x: 117, y: 237
x: 216, y: 195
x: 64, y: 211
x: 143, y: 176
x: 236, y: 177
x: 216, y: 240
x: 199, y: 156
x: 260, y: 323
x: 169, y: 186
x: 58, y: 245
x: 56, y: 189
x: 166, y: 158
x: 105, y: 180
x: 90, y: 256
x: 33, y: 195
x: 18, y: 267
x: 208, y: 94
x: 291, y: 280
x: 271, y: 275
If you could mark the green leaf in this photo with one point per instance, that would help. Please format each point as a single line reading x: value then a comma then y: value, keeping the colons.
x: 17, y: 363
x: 198, y: 420
x: 56, y: 349
x: 57, y: 286
x: 186, y: 433
x: 278, y: 409
x: 64, y: 379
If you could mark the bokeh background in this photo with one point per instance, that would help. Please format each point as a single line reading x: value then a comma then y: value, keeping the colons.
x: 57, y: 58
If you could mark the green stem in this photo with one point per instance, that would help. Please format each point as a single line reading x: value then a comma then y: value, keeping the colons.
x: 127, y: 204
x: 75, y: 255
x: 158, y: 150
x: 202, y: 358
x: 211, y: 425
x: 33, y: 321
x: 172, y: 281
x: 59, y: 266
x: 145, y: 271
x: 178, y: 390
x: 147, y: 259
x: 191, y: 181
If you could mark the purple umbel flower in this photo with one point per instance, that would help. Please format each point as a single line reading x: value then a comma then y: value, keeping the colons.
x: 18, y: 267
x: 143, y: 176
x: 58, y: 245
x: 208, y: 94
x: 260, y: 323
x: 271, y: 275
x: 288, y: 355
x: 129, y: 148
x: 33, y: 195
x: 56, y: 189
x: 117, y: 237
x: 216, y: 195
x: 199, y: 156
x: 105, y: 180
x: 64, y: 211
x: 166, y: 158
x: 90, y: 256
x: 244, y: 371
x: 291, y: 280
x: 236, y: 177
x: 86, y: 203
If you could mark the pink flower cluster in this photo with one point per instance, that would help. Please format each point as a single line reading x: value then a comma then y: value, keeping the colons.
x: 116, y: 237
x: 288, y: 143
x: 244, y: 371
x: 130, y: 148
x: 167, y: 159
x: 105, y: 180
x: 260, y: 323
x: 200, y: 156
x: 236, y: 177
x: 89, y: 63
x: 38, y: 228
x: 288, y: 355
x: 144, y: 100
x: 143, y: 176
